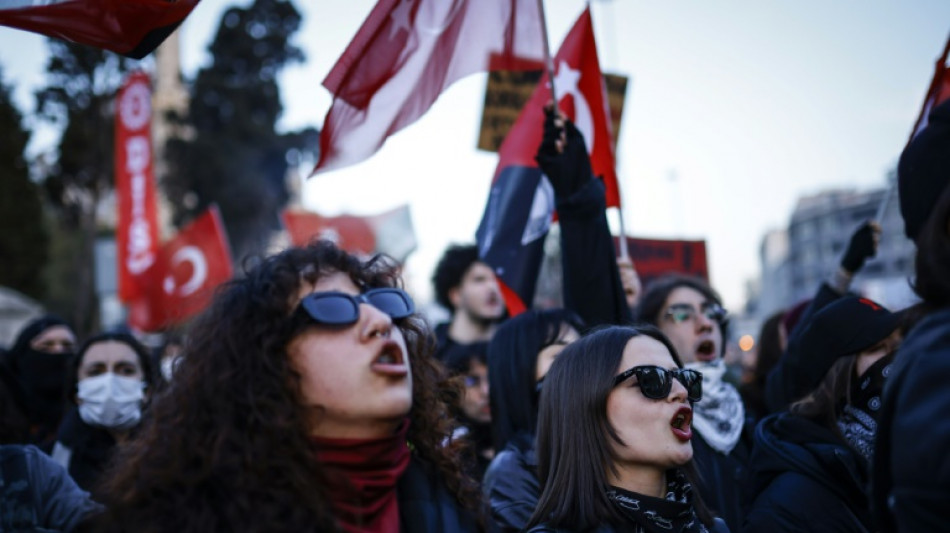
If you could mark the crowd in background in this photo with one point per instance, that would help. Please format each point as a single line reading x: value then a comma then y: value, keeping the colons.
x: 312, y: 396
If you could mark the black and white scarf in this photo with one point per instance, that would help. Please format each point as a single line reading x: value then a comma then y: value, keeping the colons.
x: 672, y: 514
x: 719, y: 416
x: 858, y: 419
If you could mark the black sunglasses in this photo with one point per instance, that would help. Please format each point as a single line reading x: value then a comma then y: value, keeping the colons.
x: 656, y: 382
x: 341, y: 309
x: 683, y: 312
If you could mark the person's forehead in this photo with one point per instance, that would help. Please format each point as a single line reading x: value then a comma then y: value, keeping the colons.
x: 686, y: 295
x: 331, y: 281
x: 644, y: 350
x: 478, y: 269
x: 58, y: 332
x: 109, y: 352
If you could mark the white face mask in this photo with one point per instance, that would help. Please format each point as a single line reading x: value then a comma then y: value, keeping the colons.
x: 111, y: 401
x: 168, y: 366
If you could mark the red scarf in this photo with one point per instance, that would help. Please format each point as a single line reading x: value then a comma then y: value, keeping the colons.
x: 362, y: 474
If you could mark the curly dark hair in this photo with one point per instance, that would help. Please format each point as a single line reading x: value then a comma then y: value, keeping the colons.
x: 226, y: 447
x: 455, y: 262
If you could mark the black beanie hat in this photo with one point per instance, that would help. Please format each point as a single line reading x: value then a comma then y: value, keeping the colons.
x: 847, y: 326
x: 924, y: 170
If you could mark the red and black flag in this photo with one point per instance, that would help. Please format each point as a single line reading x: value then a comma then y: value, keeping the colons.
x: 521, y: 201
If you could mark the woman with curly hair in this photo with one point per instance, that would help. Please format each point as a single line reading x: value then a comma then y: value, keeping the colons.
x: 307, y: 400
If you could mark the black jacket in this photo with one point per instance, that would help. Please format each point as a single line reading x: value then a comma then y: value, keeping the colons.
x: 806, y: 479
x: 511, y: 485
x: 592, y: 286
x: 83, y: 449
x: 911, y: 465
x: 724, y: 482
x: 425, y: 504
x: 797, y: 373
x: 718, y: 527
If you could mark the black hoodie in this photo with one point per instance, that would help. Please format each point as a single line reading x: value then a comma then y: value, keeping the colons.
x: 806, y: 478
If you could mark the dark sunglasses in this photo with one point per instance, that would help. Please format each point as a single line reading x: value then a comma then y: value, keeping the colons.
x: 683, y: 312
x: 656, y: 382
x: 341, y: 309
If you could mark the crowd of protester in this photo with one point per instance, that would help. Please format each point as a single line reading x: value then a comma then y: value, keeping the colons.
x: 313, y: 396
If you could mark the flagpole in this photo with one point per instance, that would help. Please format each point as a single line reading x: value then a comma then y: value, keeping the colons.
x: 548, y: 60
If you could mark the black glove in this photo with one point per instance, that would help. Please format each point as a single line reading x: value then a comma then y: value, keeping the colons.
x: 568, y: 170
x: 860, y: 249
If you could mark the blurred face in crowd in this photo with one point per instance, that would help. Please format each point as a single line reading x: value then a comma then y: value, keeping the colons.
x: 689, y: 319
x: 549, y: 353
x: 655, y: 433
x: 356, y: 376
x: 478, y: 294
x: 475, y: 403
x: 54, y: 339
x: 870, y: 356
x: 110, y: 356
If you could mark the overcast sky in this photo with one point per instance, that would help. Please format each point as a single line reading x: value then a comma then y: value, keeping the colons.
x: 734, y: 110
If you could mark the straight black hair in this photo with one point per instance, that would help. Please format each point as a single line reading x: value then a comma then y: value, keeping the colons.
x: 574, y: 434
x: 512, y: 362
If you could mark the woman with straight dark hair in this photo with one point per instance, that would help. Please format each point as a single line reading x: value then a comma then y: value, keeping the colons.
x: 307, y: 400
x: 519, y: 356
x: 108, y: 383
x: 614, y: 451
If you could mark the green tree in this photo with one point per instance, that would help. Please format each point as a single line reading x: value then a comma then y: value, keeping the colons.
x: 79, y: 98
x: 23, y: 239
x: 233, y: 155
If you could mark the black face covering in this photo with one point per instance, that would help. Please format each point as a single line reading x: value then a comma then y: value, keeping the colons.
x: 866, y: 391
x: 42, y: 377
x: 858, y: 419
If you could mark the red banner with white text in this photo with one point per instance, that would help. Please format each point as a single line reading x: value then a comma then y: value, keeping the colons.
x: 137, y: 232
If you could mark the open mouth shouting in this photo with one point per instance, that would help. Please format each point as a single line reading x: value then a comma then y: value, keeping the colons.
x: 390, y: 361
x: 680, y: 424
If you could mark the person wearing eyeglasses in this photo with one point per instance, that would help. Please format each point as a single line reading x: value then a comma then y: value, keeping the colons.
x: 33, y: 372
x: 307, y: 399
x: 811, y: 463
x: 615, y: 439
x: 690, y: 313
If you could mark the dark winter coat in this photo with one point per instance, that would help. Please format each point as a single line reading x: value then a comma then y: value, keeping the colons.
x: 806, y: 479
x: 37, y: 494
x: 511, y: 485
x: 427, y: 506
x: 911, y: 465
x: 83, y: 449
x: 724, y: 483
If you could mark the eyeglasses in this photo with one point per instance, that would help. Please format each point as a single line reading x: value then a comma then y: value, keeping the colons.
x: 341, y: 309
x: 683, y: 312
x: 656, y: 382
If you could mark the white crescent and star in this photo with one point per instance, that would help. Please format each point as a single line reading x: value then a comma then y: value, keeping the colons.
x: 566, y: 83
x: 199, y: 271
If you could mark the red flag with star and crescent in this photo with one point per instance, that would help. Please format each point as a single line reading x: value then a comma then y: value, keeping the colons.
x: 406, y: 54
x: 183, y: 280
x: 521, y: 201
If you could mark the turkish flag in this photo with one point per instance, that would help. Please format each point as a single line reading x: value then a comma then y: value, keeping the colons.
x: 389, y: 233
x: 129, y: 27
x: 938, y: 91
x: 183, y: 281
x: 521, y: 201
x: 406, y: 53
